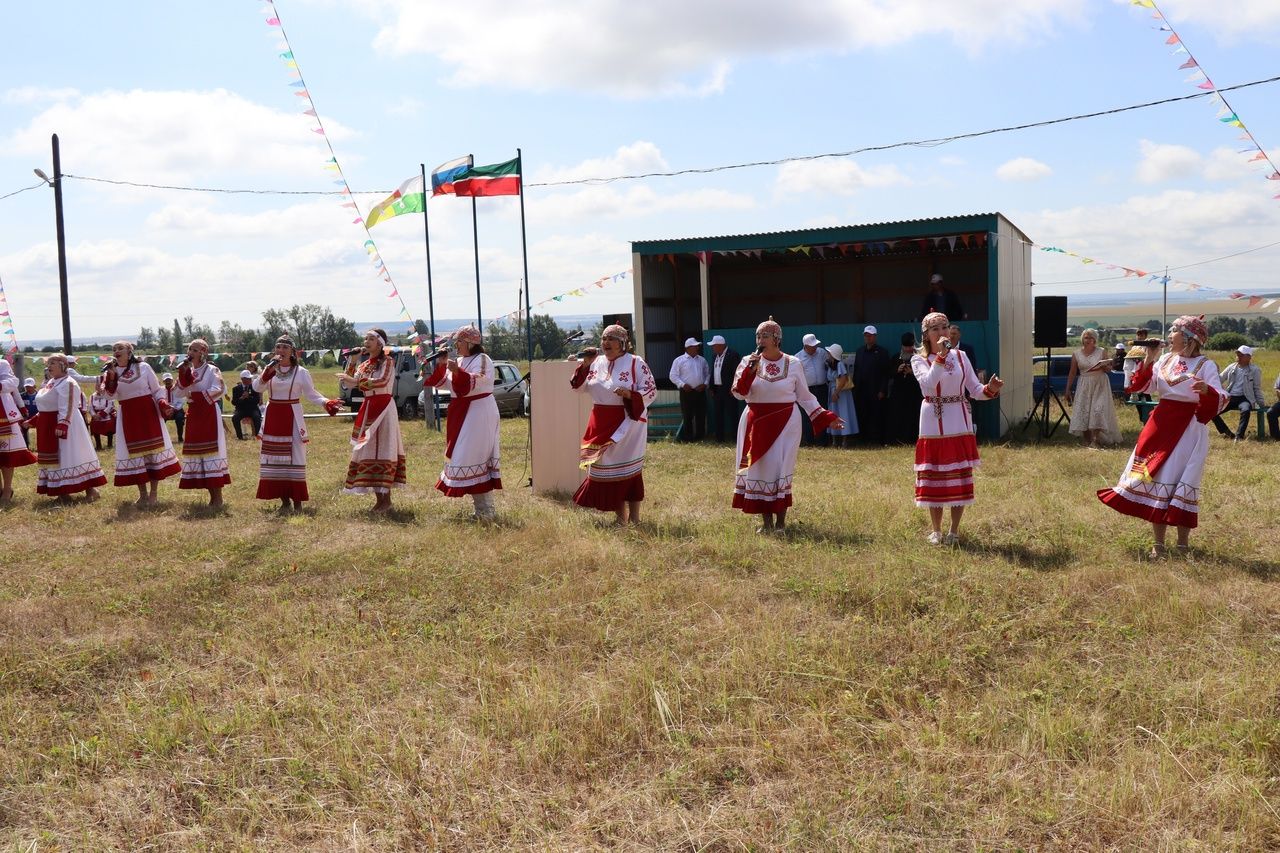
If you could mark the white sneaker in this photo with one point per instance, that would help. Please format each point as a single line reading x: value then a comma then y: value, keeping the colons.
x: 951, y: 539
x: 935, y: 538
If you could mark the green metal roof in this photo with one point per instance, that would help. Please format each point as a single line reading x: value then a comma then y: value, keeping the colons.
x: 936, y: 227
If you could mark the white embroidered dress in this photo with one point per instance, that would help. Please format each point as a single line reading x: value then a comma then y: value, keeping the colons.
x: 144, y: 452
x: 1093, y: 408
x: 204, y: 445
x: 472, y: 456
x: 282, y: 460
x: 68, y: 463
x: 13, y: 448
x: 617, y: 435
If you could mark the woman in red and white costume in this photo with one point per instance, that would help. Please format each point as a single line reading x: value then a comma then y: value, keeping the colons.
x: 144, y: 454
x: 471, y: 453
x: 68, y: 463
x: 102, y: 419
x: 204, y: 444
x: 772, y: 383
x: 13, y: 447
x: 377, y: 453
x: 947, y: 451
x: 282, y: 459
x: 613, y: 447
x: 1161, y: 483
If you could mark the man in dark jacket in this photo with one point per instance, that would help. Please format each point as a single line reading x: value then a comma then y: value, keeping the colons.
x: 245, y: 405
x: 725, y: 408
x: 904, y: 395
x: 939, y: 298
x: 871, y: 366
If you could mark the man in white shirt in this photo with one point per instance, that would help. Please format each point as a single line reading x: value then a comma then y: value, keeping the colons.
x: 690, y: 373
x: 1243, y: 383
x: 814, y: 362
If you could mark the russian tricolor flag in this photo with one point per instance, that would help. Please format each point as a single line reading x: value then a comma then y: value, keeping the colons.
x: 443, y: 177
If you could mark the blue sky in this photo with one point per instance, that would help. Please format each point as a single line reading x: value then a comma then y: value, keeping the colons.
x: 194, y: 94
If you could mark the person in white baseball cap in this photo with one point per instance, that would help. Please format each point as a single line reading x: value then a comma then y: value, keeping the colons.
x: 872, y: 364
x: 725, y: 408
x: 690, y: 373
x: 246, y: 404
x: 814, y: 363
x: 840, y: 391
x: 941, y: 300
x: 1243, y: 382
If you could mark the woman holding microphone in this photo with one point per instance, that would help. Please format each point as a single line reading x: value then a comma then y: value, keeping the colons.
x: 377, y: 453
x: 144, y: 454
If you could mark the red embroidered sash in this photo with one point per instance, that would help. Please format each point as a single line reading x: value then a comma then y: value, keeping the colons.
x: 765, y: 422
x: 456, y: 414
x: 143, y: 429
x: 1168, y: 421
x: 601, y: 426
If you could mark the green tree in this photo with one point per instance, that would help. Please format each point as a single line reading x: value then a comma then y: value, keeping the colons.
x: 164, y: 340
x: 1226, y: 341
x: 177, y: 337
x: 1260, y: 329
x: 146, y: 338
x: 1154, y: 325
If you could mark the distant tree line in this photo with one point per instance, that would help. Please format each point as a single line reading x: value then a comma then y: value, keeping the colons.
x: 311, y: 327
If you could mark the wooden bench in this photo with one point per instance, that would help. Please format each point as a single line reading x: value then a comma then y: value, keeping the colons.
x: 664, y: 419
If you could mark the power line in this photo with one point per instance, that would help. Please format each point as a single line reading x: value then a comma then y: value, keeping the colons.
x: 1171, y: 269
x: 918, y: 143
x: 23, y: 190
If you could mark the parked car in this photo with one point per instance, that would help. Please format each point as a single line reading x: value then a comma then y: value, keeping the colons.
x: 510, y: 392
x: 408, y: 384
x: 1058, y: 370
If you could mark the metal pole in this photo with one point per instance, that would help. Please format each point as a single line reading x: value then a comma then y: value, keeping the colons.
x: 524, y: 253
x: 1164, y: 305
x: 475, y: 247
x: 431, y: 304
x: 62, y: 247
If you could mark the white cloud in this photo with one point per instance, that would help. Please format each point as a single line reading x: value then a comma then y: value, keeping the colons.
x: 406, y: 107
x: 1256, y: 19
x: 633, y: 203
x: 1023, y: 169
x: 175, y: 136
x: 834, y: 177
x: 630, y: 49
x: 1162, y: 162
x: 636, y: 158
x: 36, y: 94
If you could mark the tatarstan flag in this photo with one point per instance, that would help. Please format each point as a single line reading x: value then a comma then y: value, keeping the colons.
x: 410, y: 198
x: 498, y: 179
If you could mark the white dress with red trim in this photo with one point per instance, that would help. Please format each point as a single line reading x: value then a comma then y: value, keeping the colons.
x: 769, y: 431
x: 1161, y: 482
x: 102, y: 413
x: 471, y: 454
x: 144, y: 452
x: 282, y: 456
x: 14, y: 452
x: 67, y: 460
x: 377, y: 452
x: 204, y: 441
x: 617, y: 435
x: 947, y: 451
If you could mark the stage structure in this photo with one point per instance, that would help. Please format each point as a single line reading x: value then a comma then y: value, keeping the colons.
x: 835, y: 281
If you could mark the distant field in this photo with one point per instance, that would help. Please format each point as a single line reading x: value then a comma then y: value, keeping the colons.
x: 175, y: 680
x: 1133, y: 313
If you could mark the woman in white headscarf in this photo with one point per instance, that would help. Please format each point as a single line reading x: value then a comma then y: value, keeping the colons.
x: 471, y: 454
x: 68, y: 463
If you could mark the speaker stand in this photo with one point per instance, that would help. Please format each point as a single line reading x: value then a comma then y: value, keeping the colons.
x: 1042, y: 411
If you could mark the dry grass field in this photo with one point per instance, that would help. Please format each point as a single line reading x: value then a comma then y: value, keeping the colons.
x: 171, y: 679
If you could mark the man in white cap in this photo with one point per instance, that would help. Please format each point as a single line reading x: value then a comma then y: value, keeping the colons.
x: 814, y: 362
x: 872, y: 367
x: 179, y: 416
x: 690, y: 373
x: 940, y: 299
x: 725, y: 408
x: 1243, y: 382
x: 246, y: 406
x: 28, y: 403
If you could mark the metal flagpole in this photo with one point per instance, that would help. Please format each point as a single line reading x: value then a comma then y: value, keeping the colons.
x: 475, y: 246
x: 524, y: 252
x: 431, y: 303
x: 1164, y: 305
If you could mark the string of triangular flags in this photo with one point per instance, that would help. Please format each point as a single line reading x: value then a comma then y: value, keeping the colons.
x: 172, y: 359
x: 1253, y: 301
x: 599, y: 283
x: 332, y: 165
x: 6, y: 324
x: 1226, y: 113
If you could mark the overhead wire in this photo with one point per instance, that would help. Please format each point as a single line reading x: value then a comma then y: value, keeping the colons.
x: 918, y: 143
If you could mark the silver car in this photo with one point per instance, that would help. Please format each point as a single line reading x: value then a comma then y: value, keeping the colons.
x: 509, y: 392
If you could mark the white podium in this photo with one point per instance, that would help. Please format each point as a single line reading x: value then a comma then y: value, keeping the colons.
x: 559, y: 418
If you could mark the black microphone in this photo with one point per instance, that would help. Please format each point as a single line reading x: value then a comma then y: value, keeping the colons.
x: 946, y: 344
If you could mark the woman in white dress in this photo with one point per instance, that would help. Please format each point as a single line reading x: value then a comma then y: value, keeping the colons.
x: 144, y: 454
x: 947, y: 450
x: 14, y: 452
x: 1093, y: 411
x: 282, y: 458
x: 1161, y: 482
x: 204, y: 443
x: 772, y: 383
x: 377, y: 453
x: 613, y: 446
x: 471, y: 454
x: 68, y: 463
